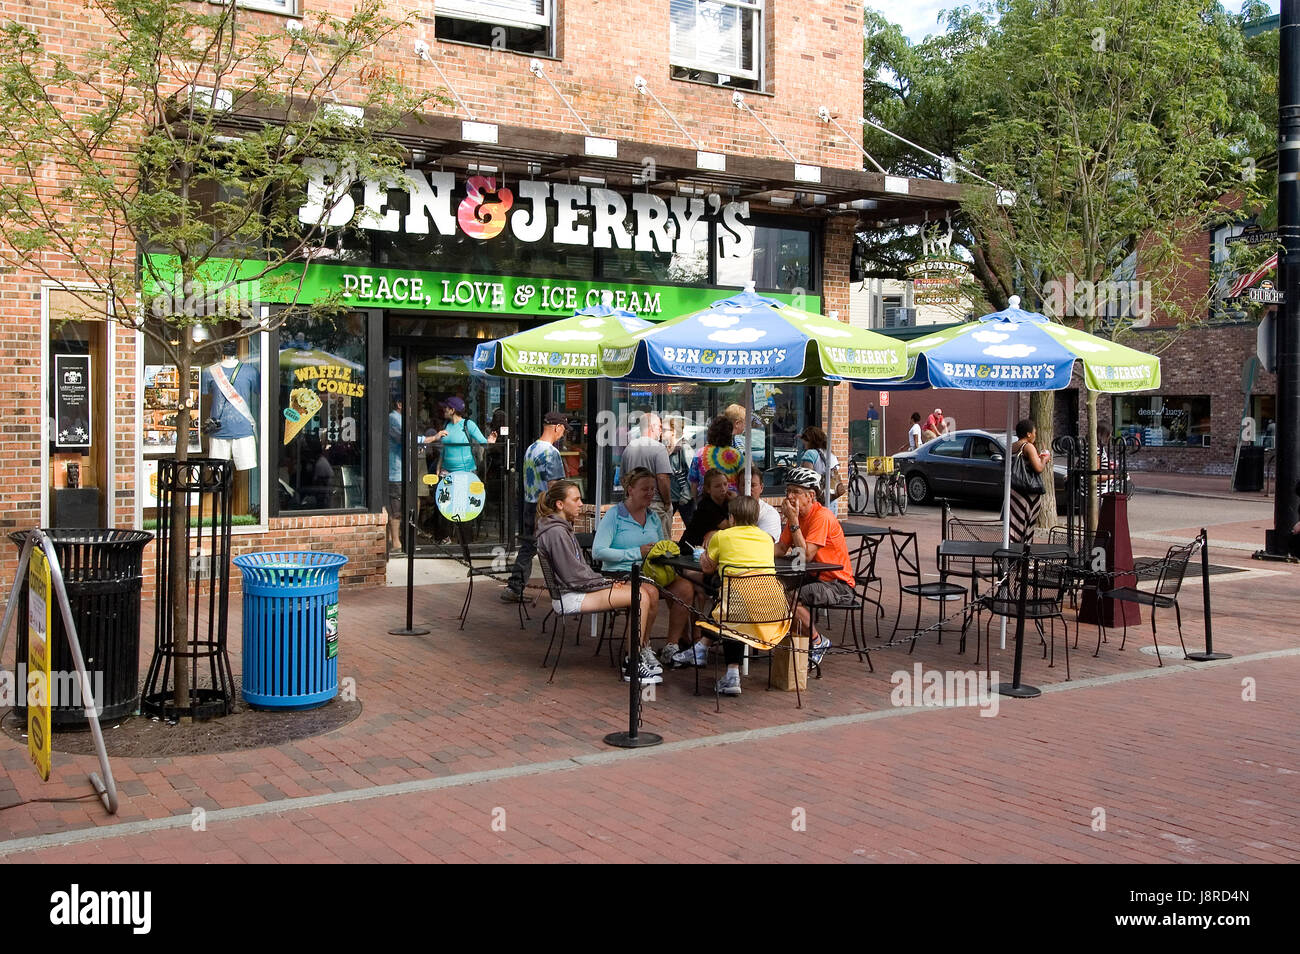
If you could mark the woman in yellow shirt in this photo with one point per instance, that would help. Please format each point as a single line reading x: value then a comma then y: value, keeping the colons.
x: 739, y: 547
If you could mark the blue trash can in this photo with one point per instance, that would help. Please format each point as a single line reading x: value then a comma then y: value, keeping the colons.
x: 291, y: 605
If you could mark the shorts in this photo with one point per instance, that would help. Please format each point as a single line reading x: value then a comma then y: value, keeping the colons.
x: 395, y: 499
x: 242, y: 450
x: 569, y: 604
x: 827, y: 593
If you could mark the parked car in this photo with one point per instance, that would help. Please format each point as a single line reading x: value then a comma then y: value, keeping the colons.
x: 967, y: 464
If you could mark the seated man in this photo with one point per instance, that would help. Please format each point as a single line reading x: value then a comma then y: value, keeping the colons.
x: 738, y: 548
x: 814, y: 529
x: 769, y: 521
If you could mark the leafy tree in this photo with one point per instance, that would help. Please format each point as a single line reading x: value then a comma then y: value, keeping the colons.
x: 1119, y: 125
x: 158, y: 174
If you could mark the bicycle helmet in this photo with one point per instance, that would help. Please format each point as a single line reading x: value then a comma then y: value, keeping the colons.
x: 804, y: 478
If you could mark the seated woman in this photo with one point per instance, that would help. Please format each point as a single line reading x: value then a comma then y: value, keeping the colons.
x: 738, y: 548
x: 626, y: 534
x: 582, y: 588
x: 710, y: 512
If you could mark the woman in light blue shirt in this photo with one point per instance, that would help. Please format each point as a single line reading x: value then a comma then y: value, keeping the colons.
x: 625, y: 535
x: 456, y: 436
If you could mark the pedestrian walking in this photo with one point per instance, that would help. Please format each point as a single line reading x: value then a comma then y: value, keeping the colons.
x: 1026, y: 504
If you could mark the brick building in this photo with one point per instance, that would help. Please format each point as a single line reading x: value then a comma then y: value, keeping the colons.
x: 721, y: 134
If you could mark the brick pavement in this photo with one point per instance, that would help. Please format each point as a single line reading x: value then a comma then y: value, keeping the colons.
x: 438, y: 708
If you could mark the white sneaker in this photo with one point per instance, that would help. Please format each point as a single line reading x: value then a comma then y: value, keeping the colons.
x: 729, y: 685
x: 643, y: 672
x: 667, y: 653
x: 697, y: 655
x: 651, y: 663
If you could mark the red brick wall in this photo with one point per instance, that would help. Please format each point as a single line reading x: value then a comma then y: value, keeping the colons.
x: 813, y: 52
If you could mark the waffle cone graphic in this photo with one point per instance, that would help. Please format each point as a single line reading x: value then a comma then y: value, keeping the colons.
x: 303, y: 405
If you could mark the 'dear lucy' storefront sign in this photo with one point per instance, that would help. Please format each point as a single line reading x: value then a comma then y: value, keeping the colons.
x: 378, y: 287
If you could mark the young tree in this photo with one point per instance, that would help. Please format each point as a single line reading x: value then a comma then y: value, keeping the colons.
x: 159, y: 174
x: 1111, y: 121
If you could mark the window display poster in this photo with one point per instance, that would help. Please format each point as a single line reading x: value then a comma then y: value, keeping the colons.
x: 161, y: 397
x: 72, y: 401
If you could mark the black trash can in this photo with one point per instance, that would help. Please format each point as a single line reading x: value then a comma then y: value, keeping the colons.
x: 101, y: 572
x: 1250, y: 469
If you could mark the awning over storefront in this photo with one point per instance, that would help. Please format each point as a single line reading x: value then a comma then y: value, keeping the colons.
x: 524, y: 152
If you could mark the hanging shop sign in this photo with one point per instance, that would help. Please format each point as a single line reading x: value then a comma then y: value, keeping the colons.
x: 1252, y: 235
x: 72, y: 401
x: 377, y: 287
x: 937, y: 281
x: 533, y: 211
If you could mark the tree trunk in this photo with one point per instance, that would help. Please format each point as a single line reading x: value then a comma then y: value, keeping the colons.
x: 1042, y: 405
x: 179, y: 569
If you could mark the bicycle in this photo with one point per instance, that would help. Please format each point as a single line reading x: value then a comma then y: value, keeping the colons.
x: 859, y: 489
x: 891, y: 494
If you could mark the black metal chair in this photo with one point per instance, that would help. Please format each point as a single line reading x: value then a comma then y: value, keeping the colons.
x: 1169, y: 581
x: 754, y: 608
x: 864, y: 578
x: 908, y: 565
x: 559, y: 618
x: 472, y: 572
x: 1044, y: 582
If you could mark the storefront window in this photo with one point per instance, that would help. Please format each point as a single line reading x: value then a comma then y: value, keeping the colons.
x: 1164, y: 420
x: 780, y: 414
x: 226, y: 384
x: 80, y: 408
x: 319, y: 409
x: 781, y: 261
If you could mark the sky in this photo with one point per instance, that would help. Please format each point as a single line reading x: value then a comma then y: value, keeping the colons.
x: 919, y: 18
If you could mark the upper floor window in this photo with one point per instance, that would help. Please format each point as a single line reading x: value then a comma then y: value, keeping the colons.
x: 717, y: 41
x: 520, y: 26
x: 274, y: 6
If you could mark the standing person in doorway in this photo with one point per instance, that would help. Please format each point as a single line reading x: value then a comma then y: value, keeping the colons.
x: 395, y: 476
x: 648, y: 452
x: 456, y: 436
x: 455, y: 439
x: 1024, y: 507
x: 542, y: 467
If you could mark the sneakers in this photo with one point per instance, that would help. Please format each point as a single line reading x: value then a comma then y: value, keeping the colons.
x: 818, y: 651
x: 510, y: 596
x: 697, y: 655
x: 643, y: 671
x: 650, y: 662
x: 667, y: 653
x: 729, y: 685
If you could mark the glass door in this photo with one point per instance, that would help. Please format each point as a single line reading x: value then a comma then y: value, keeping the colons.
x: 457, y: 425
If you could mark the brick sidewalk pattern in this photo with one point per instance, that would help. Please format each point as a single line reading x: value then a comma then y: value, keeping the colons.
x: 1182, y: 767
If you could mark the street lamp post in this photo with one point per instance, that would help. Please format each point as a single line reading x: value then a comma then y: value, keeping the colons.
x: 1288, y: 273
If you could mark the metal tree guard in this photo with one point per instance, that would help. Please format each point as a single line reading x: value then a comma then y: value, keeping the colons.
x: 205, y: 485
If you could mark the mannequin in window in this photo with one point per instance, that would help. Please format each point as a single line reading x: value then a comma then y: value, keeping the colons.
x: 232, y: 388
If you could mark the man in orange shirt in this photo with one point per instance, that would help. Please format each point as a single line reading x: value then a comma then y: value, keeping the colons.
x: 809, y: 526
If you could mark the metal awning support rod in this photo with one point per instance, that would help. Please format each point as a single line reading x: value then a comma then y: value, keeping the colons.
x: 642, y: 87
x: 825, y: 116
x: 738, y: 100
x: 422, y: 52
x: 935, y: 155
x: 535, y: 67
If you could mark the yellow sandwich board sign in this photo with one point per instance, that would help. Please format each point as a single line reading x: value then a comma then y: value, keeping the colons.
x: 38, y: 662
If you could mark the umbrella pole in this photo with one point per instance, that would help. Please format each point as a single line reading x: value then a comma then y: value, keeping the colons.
x: 1006, y: 491
x: 830, y: 418
x: 748, y: 388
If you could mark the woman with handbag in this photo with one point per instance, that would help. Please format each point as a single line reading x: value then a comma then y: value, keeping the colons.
x: 1028, y: 465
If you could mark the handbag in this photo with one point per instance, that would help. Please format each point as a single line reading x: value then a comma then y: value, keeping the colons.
x: 1024, y: 479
